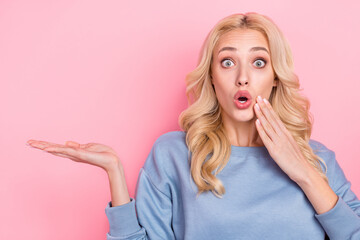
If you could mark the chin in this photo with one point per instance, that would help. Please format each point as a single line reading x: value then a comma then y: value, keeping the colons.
x: 245, y: 116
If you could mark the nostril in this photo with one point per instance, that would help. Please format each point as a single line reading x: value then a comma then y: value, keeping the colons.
x: 243, y: 83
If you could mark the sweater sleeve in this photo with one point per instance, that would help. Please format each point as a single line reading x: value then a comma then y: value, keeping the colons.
x: 343, y: 220
x: 123, y: 222
x: 149, y: 215
x: 153, y: 219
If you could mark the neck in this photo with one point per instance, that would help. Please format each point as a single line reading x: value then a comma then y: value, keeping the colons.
x: 243, y: 134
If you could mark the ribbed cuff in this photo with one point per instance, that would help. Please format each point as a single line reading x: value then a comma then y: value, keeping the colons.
x: 122, y: 219
x: 340, y: 222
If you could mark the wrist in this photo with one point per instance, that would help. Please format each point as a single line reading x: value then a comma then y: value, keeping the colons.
x: 306, y: 178
x: 113, y: 167
x: 318, y: 192
x: 118, y: 187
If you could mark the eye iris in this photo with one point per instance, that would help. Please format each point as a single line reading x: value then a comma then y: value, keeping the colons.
x: 259, y: 63
x: 228, y: 63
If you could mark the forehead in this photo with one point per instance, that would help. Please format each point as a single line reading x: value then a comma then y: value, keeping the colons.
x: 242, y: 39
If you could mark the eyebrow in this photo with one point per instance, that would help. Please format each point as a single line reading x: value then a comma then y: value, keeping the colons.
x: 253, y: 49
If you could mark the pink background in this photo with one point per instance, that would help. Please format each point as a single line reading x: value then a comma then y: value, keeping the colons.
x: 113, y: 72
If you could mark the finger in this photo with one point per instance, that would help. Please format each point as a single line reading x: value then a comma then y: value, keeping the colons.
x: 65, y: 156
x: 36, y: 144
x: 42, y: 144
x: 269, y: 114
x: 277, y: 119
x: 69, y: 151
x: 283, y: 128
x: 264, y: 137
x: 72, y: 144
x: 86, y: 145
x: 49, y: 143
x: 78, y: 145
x: 268, y: 129
x: 97, y: 147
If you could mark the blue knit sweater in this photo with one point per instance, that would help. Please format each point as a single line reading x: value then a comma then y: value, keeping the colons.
x: 261, y: 201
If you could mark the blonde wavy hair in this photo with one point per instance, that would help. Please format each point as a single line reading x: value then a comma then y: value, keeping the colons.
x: 206, y: 138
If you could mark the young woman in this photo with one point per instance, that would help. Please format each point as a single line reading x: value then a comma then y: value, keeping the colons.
x: 244, y: 166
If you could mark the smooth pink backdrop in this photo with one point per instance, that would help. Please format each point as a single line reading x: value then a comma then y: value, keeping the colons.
x: 113, y: 72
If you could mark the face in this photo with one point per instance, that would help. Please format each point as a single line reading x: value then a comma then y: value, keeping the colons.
x: 241, y: 61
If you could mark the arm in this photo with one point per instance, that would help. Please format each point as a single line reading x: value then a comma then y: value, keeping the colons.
x: 337, y: 207
x: 147, y: 217
x: 118, y: 188
x: 120, y: 211
x: 105, y: 157
x: 318, y: 192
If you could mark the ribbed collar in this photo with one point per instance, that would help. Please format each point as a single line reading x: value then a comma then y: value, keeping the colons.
x: 241, y: 151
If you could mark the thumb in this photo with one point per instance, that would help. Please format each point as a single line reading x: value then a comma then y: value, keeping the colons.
x: 72, y: 144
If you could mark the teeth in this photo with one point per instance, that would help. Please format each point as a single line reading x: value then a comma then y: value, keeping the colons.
x: 242, y: 101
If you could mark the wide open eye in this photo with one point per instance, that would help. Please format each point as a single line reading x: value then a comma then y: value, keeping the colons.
x: 227, y: 63
x: 260, y: 63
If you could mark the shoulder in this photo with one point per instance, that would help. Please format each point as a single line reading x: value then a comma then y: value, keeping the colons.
x: 319, y: 148
x: 322, y: 151
x: 168, y: 153
x: 170, y: 144
x: 325, y: 153
x: 329, y: 157
x: 171, y: 139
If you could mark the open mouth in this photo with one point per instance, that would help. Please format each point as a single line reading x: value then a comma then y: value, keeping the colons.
x: 242, y: 99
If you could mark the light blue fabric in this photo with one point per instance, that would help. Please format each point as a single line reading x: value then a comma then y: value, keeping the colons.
x: 261, y: 201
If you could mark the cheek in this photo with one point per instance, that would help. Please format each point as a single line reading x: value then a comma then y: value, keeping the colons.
x: 266, y: 89
x: 223, y: 93
x: 218, y: 91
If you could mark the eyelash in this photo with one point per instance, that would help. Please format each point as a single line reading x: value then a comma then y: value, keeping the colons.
x: 254, y: 61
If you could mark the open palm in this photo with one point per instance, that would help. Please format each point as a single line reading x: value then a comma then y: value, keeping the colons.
x: 92, y: 153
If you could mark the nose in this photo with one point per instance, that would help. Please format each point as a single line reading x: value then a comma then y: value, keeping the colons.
x: 242, y: 79
x: 242, y: 82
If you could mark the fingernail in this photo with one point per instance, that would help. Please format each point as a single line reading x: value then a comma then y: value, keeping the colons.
x: 259, y: 98
x: 266, y: 101
x: 257, y: 106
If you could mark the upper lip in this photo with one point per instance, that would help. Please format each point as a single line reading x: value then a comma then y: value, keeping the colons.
x: 242, y: 93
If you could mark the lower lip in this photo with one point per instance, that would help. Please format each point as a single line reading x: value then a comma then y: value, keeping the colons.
x: 244, y: 105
